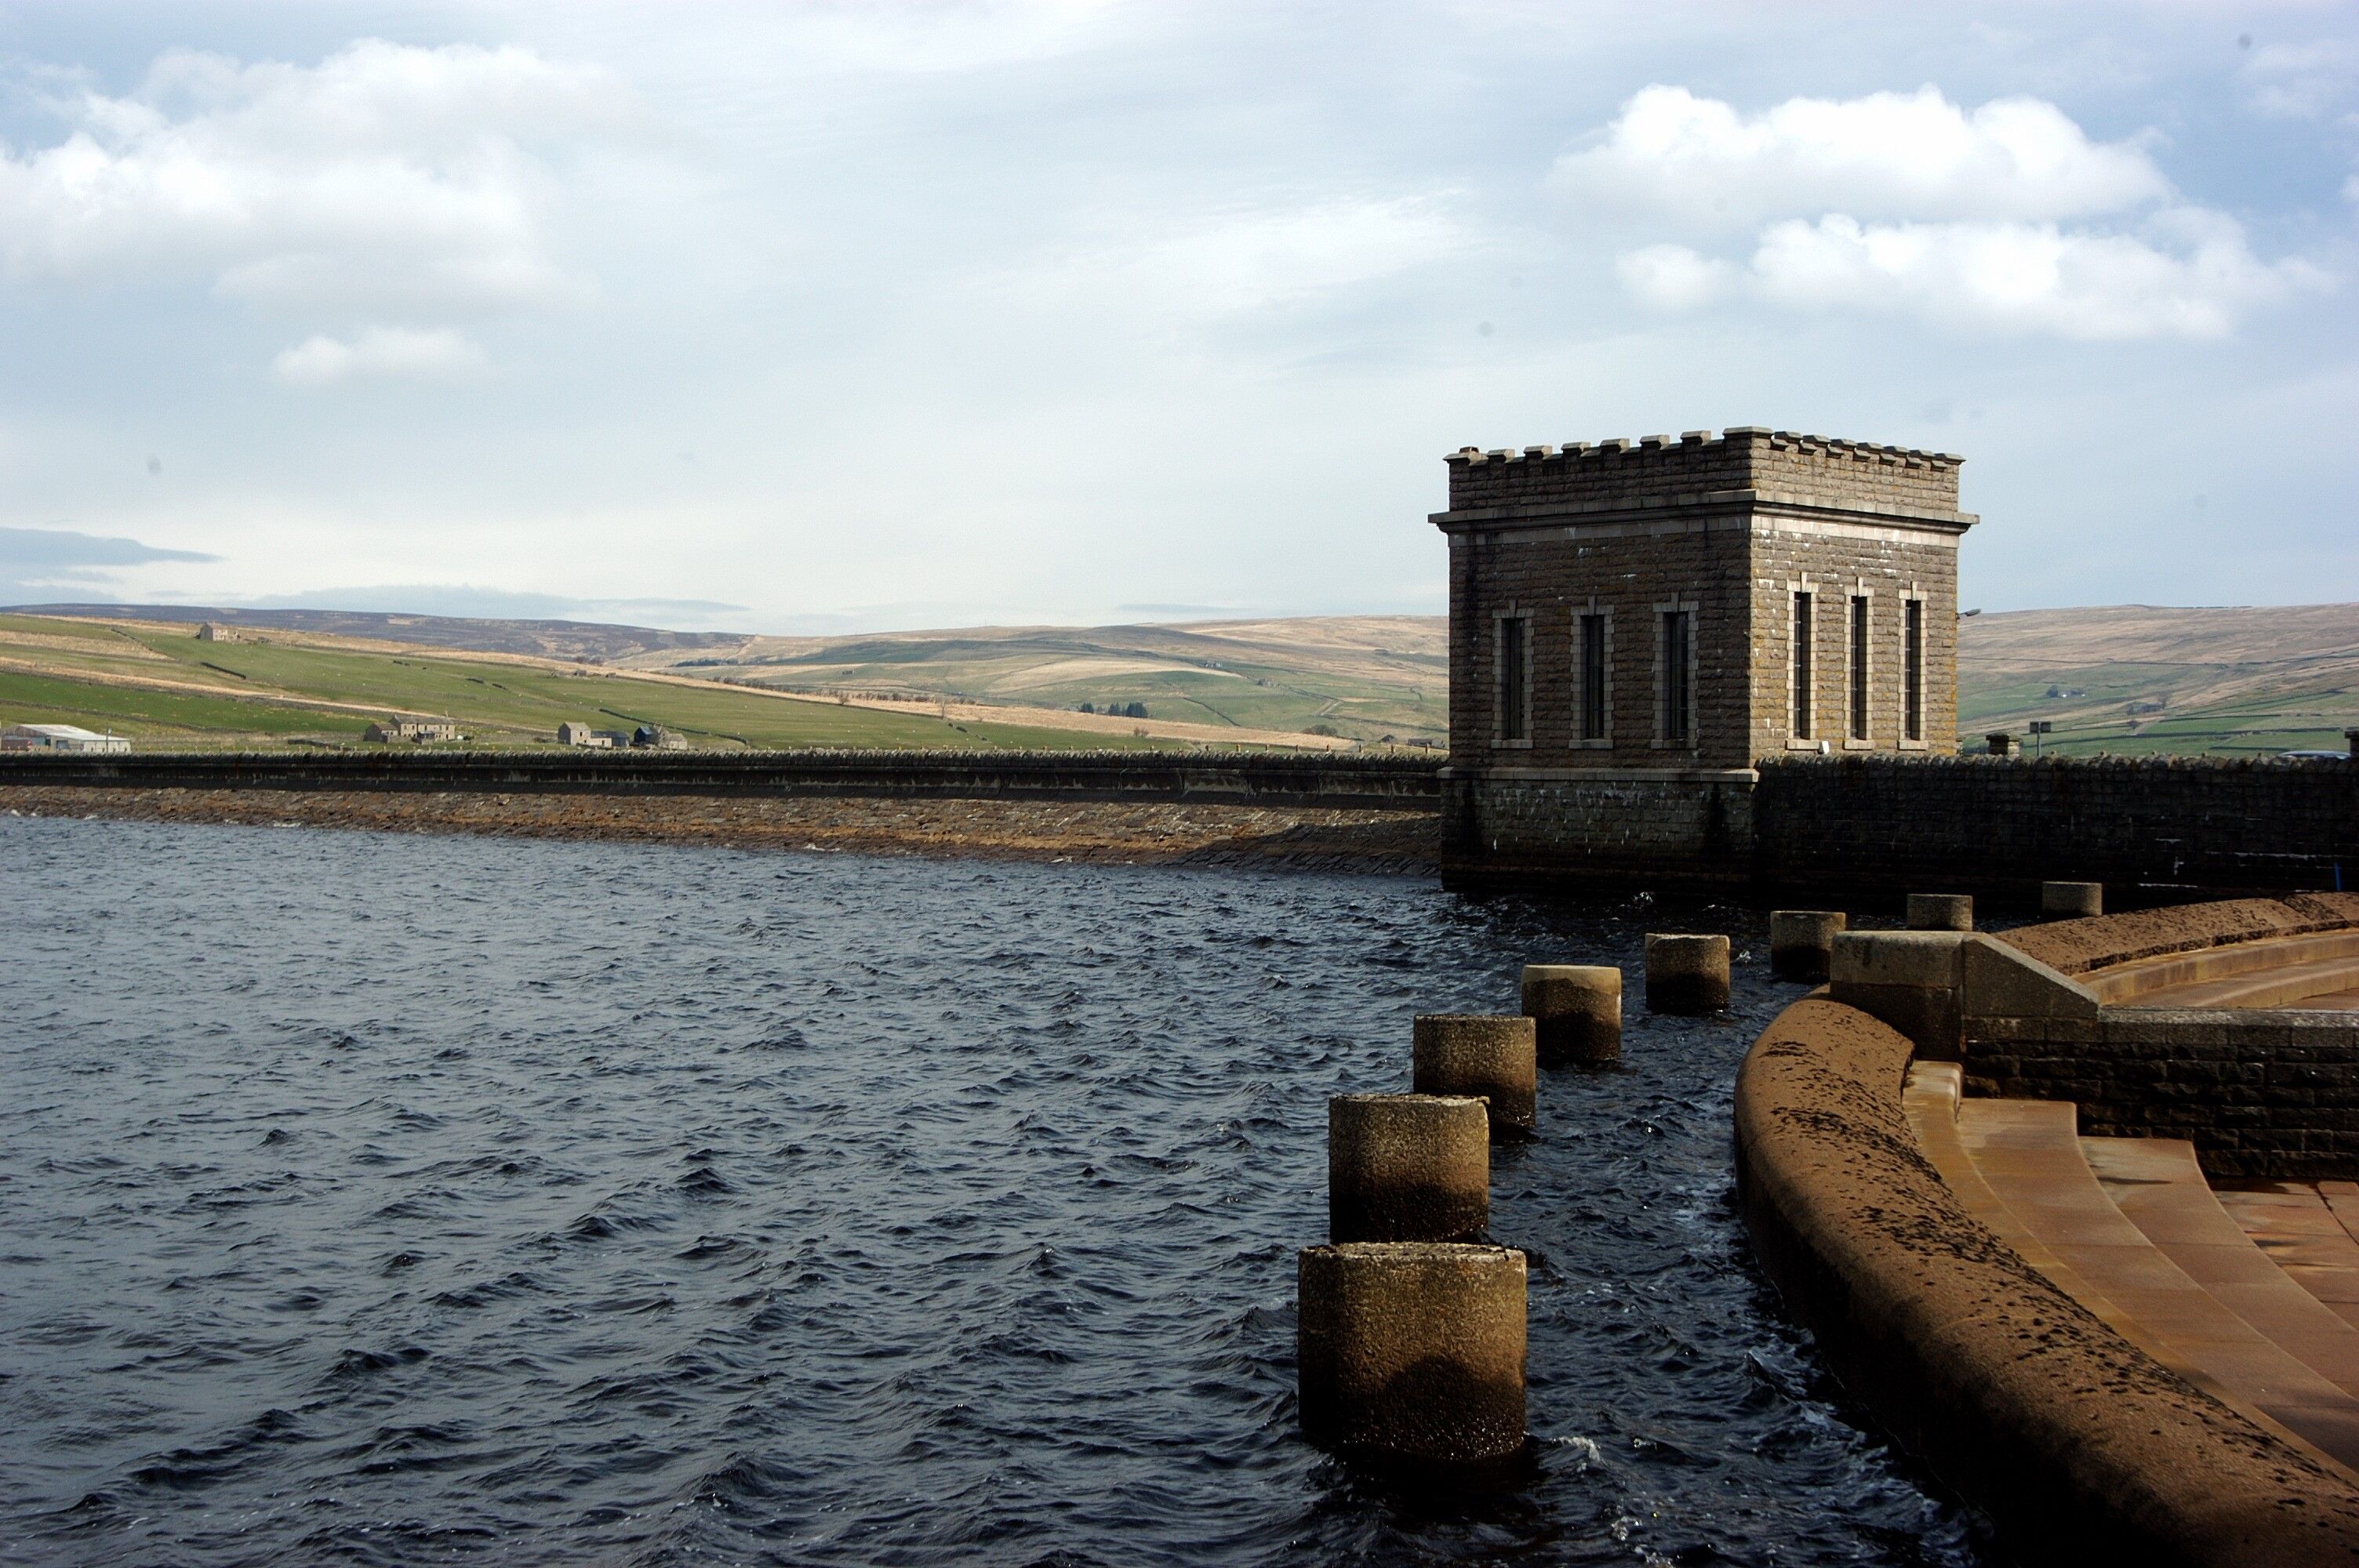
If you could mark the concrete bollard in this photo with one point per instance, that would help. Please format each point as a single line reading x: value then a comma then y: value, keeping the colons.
x: 1910, y: 979
x: 1494, y: 1056
x: 1686, y: 974
x: 1407, y: 1168
x: 2071, y: 901
x: 1940, y: 912
x: 1802, y: 941
x: 1413, y: 1351
x: 1576, y: 1011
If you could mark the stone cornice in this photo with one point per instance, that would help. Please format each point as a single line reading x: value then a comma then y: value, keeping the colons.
x: 1699, y: 505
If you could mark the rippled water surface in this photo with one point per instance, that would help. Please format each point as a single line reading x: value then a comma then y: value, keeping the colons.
x: 405, y: 1199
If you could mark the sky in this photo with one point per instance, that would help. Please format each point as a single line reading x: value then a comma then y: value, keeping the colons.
x: 862, y: 316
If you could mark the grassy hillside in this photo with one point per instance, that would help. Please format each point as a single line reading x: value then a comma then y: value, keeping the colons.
x: 568, y: 640
x: 2128, y: 679
x: 1362, y: 677
x: 2135, y: 678
x: 159, y: 685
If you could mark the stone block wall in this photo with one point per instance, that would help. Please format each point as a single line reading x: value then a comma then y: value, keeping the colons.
x: 2154, y: 830
x: 1671, y: 830
x: 2001, y: 826
x: 1700, y: 563
x: 1890, y: 566
x: 1326, y: 779
x: 2261, y: 1094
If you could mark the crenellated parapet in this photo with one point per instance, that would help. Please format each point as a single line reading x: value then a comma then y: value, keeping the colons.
x: 1698, y: 465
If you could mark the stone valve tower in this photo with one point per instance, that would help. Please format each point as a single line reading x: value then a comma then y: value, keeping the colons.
x: 1633, y: 625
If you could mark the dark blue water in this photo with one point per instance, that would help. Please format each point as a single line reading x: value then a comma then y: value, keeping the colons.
x: 402, y: 1199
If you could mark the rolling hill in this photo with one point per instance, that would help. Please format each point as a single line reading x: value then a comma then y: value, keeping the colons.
x: 1358, y: 677
x: 2121, y: 678
x: 157, y: 682
x: 2132, y: 678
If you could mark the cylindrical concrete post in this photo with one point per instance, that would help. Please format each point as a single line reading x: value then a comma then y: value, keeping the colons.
x: 1802, y: 941
x: 1940, y: 912
x: 1492, y: 1056
x: 1576, y: 1011
x: 1413, y: 1351
x: 1407, y: 1168
x: 1686, y: 974
x: 2071, y: 901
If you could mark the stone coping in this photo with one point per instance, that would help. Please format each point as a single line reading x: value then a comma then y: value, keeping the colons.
x: 2271, y: 972
x: 2083, y: 1447
x: 2100, y: 941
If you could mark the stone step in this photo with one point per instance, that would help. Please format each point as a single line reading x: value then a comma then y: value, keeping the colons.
x: 2295, y: 1226
x: 2159, y: 1186
x: 2028, y: 1152
x: 1930, y: 1098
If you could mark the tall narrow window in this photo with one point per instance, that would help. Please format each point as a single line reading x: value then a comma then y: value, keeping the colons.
x: 1593, y: 677
x: 1912, y: 667
x: 1859, y: 667
x: 1804, y: 668
x: 1514, y: 690
x: 1678, y: 720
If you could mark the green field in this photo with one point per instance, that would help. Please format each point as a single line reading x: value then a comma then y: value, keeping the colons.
x: 498, y: 703
x: 2130, y: 680
x: 2295, y: 718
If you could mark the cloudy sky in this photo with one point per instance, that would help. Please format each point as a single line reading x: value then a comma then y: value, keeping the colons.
x: 846, y: 316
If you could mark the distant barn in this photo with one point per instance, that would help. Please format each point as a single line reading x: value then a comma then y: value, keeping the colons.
x: 58, y: 738
x: 413, y: 729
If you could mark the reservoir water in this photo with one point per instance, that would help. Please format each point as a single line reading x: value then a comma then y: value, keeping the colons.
x: 402, y: 1199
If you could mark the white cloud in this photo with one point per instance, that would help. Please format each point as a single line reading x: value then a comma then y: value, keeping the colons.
x: 432, y: 354
x: 1673, y: 277
x: 385, y: 178
x: 1911, y: 205
x: 2314, y: 81
x: 2025, y: 277
x: 1254, y: 260
x: 1203, y: 267
x: 1673, y: 155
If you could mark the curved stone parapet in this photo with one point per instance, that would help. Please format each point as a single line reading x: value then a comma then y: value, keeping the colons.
x: 2100, y: 941
x: 2083, y: 1447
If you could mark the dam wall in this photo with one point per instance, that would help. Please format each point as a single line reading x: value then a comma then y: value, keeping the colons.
x: 1876, y: 826
x: 1243, y: 778
x: 1862, y: 828
x: 1999, y: 825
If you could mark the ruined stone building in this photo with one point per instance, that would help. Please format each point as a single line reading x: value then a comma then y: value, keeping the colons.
x: 1633, y: 626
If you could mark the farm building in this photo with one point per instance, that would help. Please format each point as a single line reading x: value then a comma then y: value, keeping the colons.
x: 413, y: 729
x: 58, y: 738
